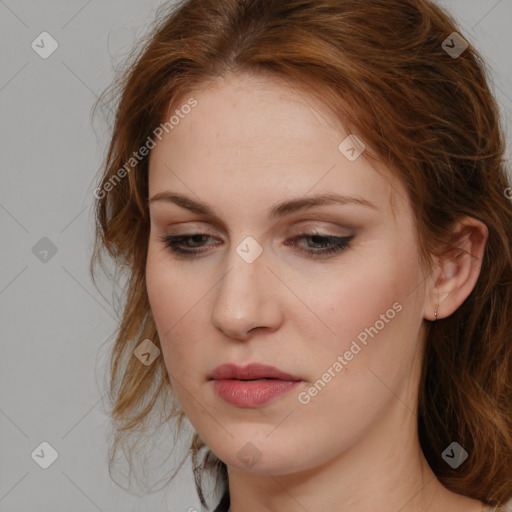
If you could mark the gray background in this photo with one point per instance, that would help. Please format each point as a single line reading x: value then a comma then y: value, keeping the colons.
x: 53, y: 322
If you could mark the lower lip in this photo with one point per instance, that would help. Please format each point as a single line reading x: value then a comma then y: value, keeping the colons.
x: 246, y: 393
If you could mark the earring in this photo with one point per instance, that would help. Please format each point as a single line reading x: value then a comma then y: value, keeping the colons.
x: 435, y: 312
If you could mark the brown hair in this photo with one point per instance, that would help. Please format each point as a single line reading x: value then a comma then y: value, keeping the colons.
x: 380, y: 67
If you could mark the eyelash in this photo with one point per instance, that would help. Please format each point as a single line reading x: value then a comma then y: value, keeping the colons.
x: 341, y: 244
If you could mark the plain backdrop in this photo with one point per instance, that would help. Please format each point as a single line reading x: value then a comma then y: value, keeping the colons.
x: 53, y: 321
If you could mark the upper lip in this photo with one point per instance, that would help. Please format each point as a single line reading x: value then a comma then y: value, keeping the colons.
x: 250, y: 372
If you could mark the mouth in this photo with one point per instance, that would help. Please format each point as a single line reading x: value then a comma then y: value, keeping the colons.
x: 254, y: 380
x: 251, y: 372
x: 253, y: 385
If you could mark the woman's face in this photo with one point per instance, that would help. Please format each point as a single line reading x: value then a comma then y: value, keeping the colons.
x: 347, y: 325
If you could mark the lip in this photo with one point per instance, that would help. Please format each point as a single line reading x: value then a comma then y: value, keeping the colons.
x: 253, y: 385
x: 250, y: 372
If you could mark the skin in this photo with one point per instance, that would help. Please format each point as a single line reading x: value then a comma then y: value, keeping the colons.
x: 252, y: 142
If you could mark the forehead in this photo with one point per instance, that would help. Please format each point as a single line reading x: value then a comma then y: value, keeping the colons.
x: 260, y: 135
x: 249, y: 108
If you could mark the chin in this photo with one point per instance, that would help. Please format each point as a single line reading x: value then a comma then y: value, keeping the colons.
x: 263, y: 456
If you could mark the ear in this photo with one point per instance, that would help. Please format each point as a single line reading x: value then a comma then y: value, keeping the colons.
x: 455, y: 274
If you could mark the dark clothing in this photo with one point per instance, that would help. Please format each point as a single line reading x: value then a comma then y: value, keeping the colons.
x: 224, y: 503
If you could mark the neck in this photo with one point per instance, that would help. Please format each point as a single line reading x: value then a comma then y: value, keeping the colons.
x: 384, y: 471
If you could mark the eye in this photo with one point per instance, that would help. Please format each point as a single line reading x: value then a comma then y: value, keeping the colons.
x: 329, y: 244
x: 176, y: 243
x: 322, y: 244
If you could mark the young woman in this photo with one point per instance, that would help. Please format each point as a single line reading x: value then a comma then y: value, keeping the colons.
x: 309, y: 200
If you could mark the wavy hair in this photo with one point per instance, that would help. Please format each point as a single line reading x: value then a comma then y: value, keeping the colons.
x: 381, y: 67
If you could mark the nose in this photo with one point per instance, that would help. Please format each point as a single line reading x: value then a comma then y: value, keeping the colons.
x: 246, y: 299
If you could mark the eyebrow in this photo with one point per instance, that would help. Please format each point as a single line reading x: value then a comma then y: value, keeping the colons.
x: 279, y: 210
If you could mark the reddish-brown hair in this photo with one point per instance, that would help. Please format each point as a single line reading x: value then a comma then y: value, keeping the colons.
x: 379, y: 66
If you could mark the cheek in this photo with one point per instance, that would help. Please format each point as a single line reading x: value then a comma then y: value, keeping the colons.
x: 374, y: 348
x: 161, y: 287
x: 371, y: 305
x: 171, y: 300
x: 171, y: 291
x: 178, y: 297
